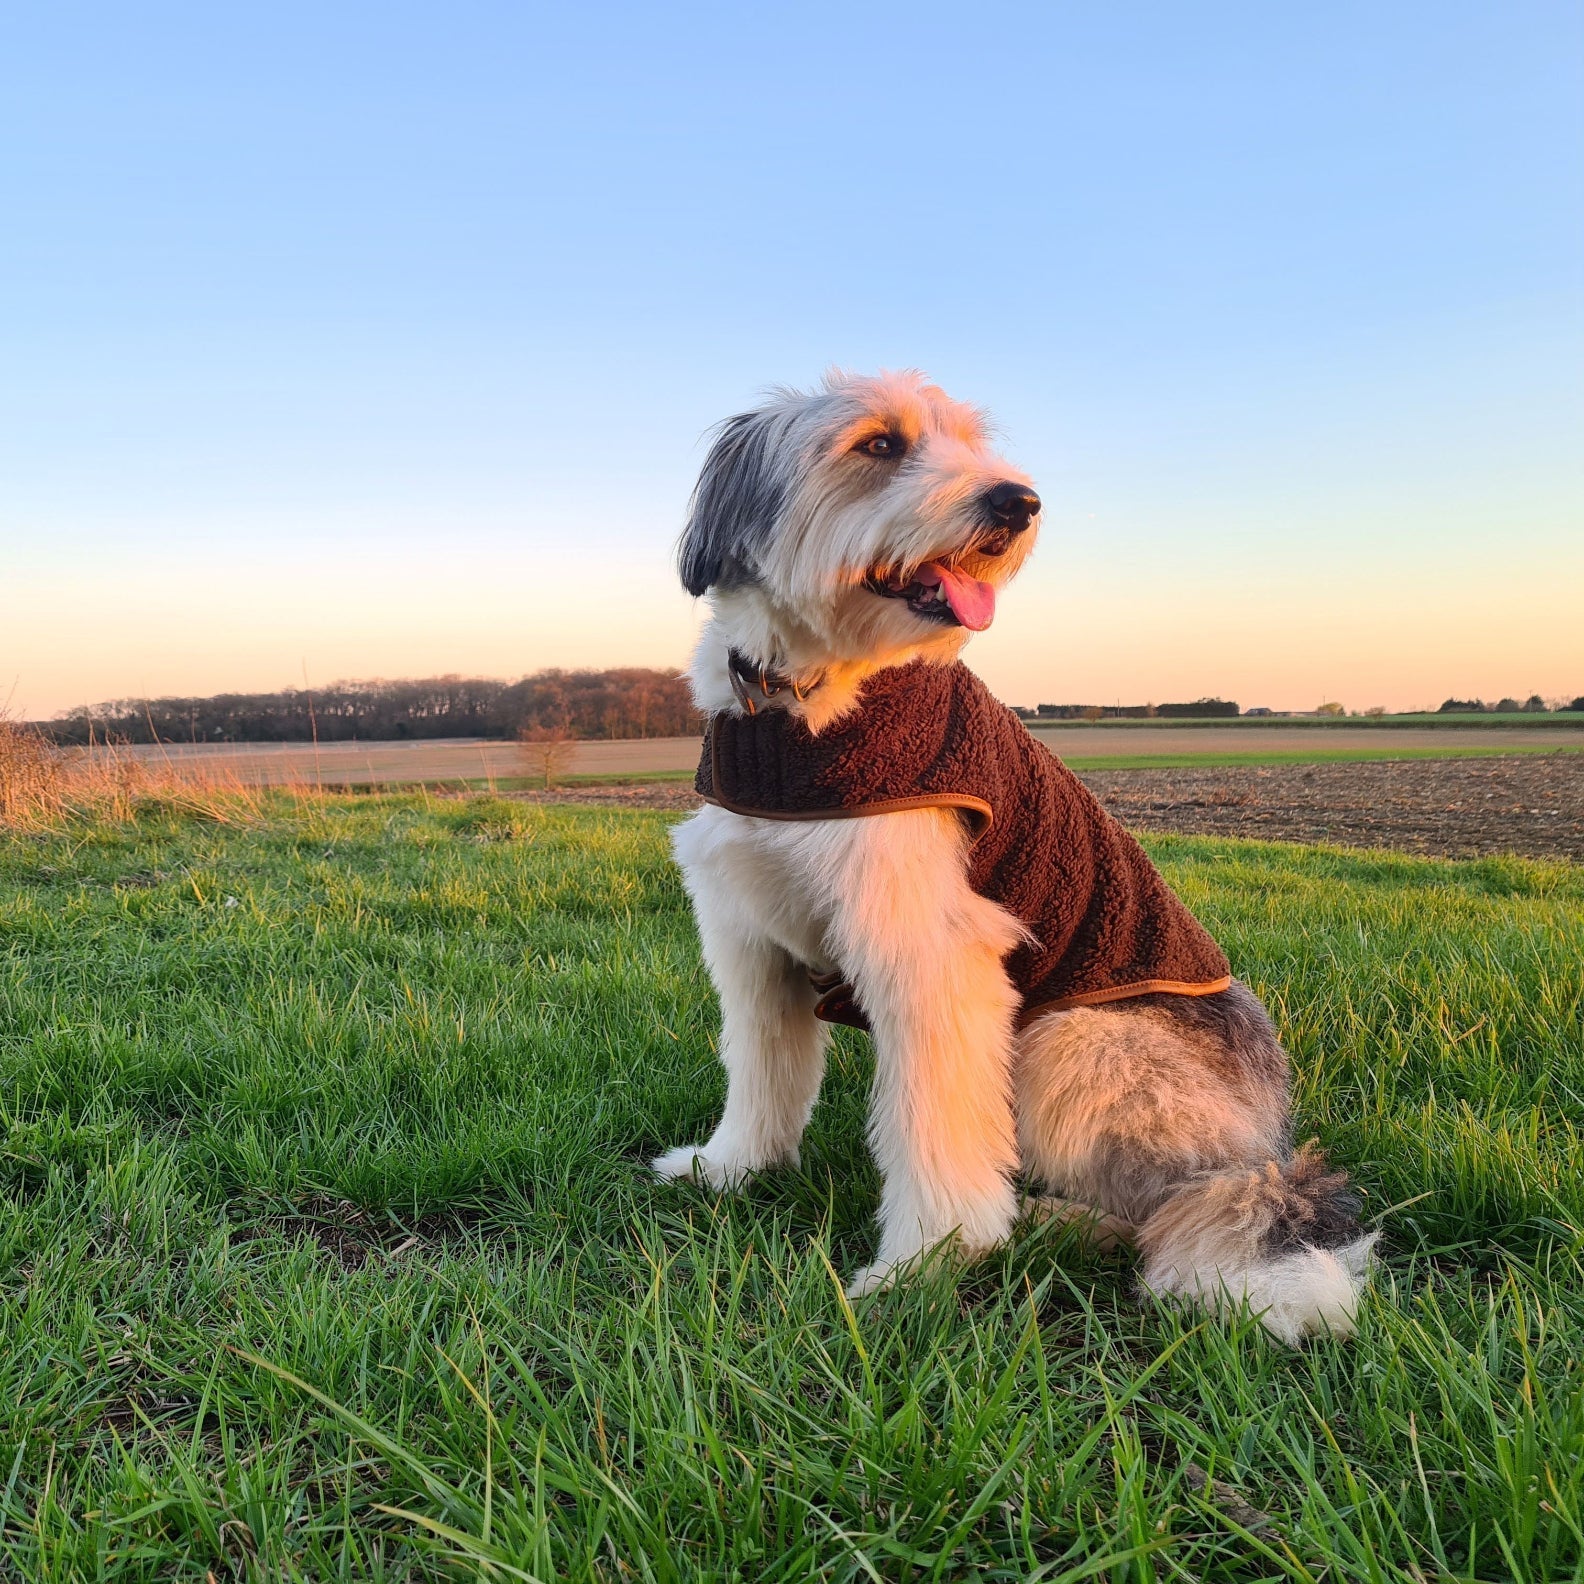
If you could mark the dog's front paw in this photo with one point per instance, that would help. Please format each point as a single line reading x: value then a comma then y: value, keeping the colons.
x: 689, y: 1163
x: 871, y: 1279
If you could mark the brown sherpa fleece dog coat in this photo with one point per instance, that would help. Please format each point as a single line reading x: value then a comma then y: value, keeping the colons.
x: 1104, y: 925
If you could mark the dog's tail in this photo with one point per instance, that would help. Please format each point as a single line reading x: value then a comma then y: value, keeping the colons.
x: 1284, y: 1238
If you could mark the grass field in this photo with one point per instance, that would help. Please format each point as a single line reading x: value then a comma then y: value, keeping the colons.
x: 326, y: 1251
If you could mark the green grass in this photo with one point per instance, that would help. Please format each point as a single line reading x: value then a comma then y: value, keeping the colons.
x: 326, y: 1251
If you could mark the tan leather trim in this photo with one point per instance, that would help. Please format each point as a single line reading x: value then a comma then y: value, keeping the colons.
x: 838, y: 1000
x: 886, y: 806
x: 1122, y: 993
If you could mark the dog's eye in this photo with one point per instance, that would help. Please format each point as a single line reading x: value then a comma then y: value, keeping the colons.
x: 882, y: 445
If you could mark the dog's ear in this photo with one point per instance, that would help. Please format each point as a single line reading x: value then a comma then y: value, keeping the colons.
x: 739, y: 495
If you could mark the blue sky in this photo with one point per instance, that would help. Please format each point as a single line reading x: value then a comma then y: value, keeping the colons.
x: 382, y: 340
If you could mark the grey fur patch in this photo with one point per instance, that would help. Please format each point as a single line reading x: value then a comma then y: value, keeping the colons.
x: 1231, y: 1033
x: 1235, y: 1024
x: 1136, y: 1180
x: 741, y: 492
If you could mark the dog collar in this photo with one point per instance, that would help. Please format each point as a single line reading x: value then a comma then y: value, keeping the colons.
x: 748, y: 677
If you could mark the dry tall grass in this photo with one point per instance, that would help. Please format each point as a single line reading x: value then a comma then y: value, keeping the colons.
x: 43, y: 786
x: 30, y: 774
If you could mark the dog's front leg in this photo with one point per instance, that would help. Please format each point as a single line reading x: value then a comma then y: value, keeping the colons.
x: 773, y: 1050
x: 925, y: 954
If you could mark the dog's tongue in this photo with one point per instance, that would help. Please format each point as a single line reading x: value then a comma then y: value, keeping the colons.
x: 972, y: 601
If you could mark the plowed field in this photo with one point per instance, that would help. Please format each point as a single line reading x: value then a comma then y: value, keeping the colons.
x: 1531, y: 805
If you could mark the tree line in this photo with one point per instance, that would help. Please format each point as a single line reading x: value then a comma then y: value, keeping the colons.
x: 1200, y: 709
x: 631, y: 702
x: 1533, y: 705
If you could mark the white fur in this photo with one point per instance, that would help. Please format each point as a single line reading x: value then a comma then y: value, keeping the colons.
x: 886, y: 898
x: 805, y: 610
x: 1311, y: 1292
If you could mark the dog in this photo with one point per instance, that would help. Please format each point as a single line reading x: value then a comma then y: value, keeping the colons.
x: 850, y: 540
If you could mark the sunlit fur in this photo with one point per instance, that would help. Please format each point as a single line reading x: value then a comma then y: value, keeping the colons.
x: 794, y: 596
x: 1155, y: 1128
x: 1181, y: 1138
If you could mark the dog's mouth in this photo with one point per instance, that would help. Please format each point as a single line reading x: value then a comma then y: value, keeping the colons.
x: 941, y: 591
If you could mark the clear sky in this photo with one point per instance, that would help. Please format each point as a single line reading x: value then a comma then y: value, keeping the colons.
x: 382, y: 339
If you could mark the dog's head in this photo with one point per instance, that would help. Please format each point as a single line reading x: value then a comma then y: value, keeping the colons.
x: 870, y: 519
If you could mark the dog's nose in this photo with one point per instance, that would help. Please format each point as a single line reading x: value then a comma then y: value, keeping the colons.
x: 1013, y: 506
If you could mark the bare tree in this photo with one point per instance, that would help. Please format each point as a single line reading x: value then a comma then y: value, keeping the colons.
x: 546, y: 751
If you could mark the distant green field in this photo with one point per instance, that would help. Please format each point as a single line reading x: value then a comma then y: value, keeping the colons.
x: 1129, y: 761
x: 522, y: 783
x: 631, y: 778
x: 1565, y: 719
x: 1145, y: 761
x: 327, y: 1251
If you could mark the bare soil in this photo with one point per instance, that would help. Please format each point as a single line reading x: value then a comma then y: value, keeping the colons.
x: 1531, y: 805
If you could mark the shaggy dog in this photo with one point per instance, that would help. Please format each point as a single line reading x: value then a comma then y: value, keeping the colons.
x: 840, y: 536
